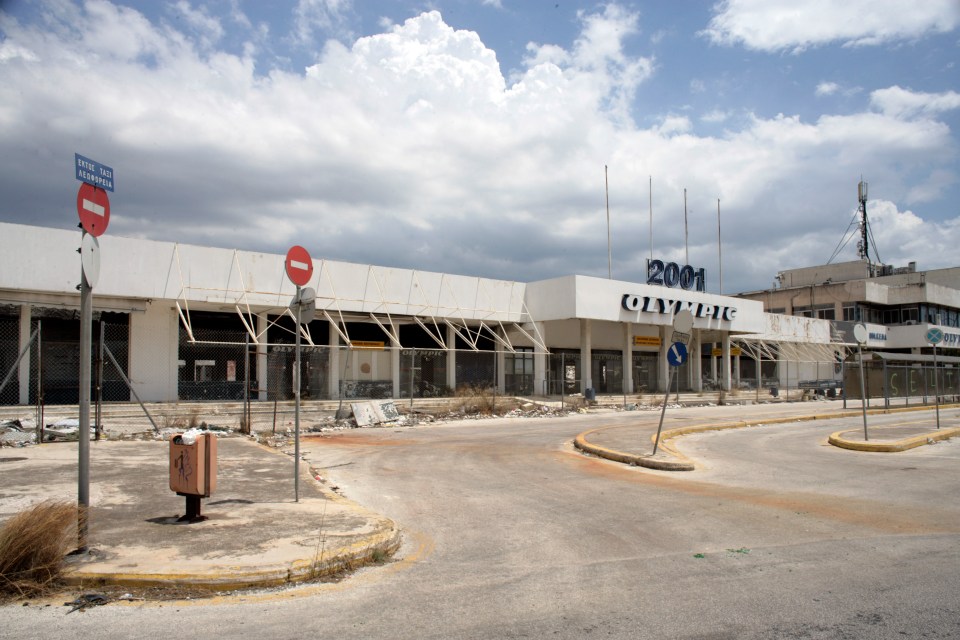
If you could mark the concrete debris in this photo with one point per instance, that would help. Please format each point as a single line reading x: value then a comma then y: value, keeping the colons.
x: 17, y: 433
x: 11, y: 424
x: 65, y: 430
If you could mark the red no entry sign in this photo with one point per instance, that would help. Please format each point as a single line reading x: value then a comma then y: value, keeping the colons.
x: 299, y: 265
x: 93, y: 207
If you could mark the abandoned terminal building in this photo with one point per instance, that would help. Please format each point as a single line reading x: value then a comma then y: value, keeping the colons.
x: 177, y: 322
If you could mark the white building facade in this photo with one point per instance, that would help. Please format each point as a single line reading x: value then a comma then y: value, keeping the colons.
x: 186, y: 322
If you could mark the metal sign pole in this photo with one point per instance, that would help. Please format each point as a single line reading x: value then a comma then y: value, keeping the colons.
x: 93, y: 210
x: 663, y: 411
x: 861, y: 335
x: 296, y: 414
x: 98, y: 413
x: 936, y: 384
x: 83, y: 476
x: 863, y: 393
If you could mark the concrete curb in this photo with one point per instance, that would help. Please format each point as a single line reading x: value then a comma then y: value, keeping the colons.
x: 385, y: 541
x: 649, y: 462
x: 685, y: 464
x: 837, y: 440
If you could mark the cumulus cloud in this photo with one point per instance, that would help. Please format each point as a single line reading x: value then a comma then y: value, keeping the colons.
x: 323, y: 16
x: 597, y: 62
x: 209, y: 27
x: 410, y: 148
x: 777, y: 25
x: 931, y: 188
x: 827, y: 88
x: 715, y: 116
x: 903, y: 236
x: 903, y: 103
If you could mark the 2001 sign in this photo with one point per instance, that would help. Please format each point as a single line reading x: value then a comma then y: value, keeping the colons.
x: 672, y: 275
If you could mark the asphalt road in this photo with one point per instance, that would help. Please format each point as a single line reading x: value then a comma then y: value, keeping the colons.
x: 510, y: 533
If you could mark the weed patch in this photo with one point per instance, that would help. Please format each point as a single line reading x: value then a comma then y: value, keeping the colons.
x: 33, y: 544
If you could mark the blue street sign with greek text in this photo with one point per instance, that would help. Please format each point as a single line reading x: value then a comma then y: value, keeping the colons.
x: 99, y: 175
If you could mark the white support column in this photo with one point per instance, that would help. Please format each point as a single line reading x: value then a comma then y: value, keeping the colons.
x: 696, y: 357
x: 628, y: 357
x: 153, y: 361
x: 540, y: 365
x: 333, y: 376
x: 262, y: 370
x: 395, y: 357
x: 24, y: 372
x: 663, y: 367
x: 451, y: 342
x: 713, y: 364
x: 501, y: 356
x: 586, y: 368
x: 725, y: 364
x: 736, y: 372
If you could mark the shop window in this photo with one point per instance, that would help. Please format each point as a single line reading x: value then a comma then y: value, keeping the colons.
x: 203, y: 370
x: 518, y: 371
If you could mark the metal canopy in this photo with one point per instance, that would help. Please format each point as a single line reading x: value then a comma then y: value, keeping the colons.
x: 774, y: 350
x: 469, y: 320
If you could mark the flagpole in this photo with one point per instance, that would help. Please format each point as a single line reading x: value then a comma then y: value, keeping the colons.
x: 719, y: 246
x: 606, y: 183
x: 650, y: 191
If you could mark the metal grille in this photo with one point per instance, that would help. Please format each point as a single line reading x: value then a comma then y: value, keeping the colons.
x: 563, y: 373
x: 919, y: 383
x: 606, y: 372
x: 212, y: 367
x: 9, y: 354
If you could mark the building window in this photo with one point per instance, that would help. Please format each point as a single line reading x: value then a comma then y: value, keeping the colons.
x: 851, y: 313
x: 827, y: 314
x: 518, y: 371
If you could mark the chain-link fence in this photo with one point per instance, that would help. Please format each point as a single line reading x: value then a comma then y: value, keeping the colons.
x: 917, y: 383
x: 222, y: 369
x: 10, y: 350
x: 212, y: 366
x: 53, y: 357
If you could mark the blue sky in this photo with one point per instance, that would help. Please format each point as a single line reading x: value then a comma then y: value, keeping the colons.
x: 470, y: 136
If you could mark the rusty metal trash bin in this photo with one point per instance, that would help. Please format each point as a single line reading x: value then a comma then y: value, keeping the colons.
x: 193, y: 470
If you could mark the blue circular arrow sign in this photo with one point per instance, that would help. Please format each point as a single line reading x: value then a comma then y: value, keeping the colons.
x: 677, y: 354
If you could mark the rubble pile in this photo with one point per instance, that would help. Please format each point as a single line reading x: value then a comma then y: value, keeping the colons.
x: 17, y: 433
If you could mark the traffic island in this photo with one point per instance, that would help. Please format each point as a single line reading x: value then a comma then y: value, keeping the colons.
x: 853, y: 439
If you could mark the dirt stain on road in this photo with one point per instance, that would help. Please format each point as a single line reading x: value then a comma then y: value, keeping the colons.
x: 351, y: 439
x: 876, y: 515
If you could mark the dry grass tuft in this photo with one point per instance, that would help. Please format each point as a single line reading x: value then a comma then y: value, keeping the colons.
x: 33, y: 544
x: 483, y: 401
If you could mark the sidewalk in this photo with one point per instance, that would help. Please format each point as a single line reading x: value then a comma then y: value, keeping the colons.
x: 633, y: 444
x: 255, y: 534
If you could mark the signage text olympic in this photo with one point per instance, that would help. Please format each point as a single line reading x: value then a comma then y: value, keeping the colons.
x: 650, y: 304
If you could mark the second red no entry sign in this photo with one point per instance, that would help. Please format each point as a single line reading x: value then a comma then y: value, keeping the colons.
x: 299, y: 265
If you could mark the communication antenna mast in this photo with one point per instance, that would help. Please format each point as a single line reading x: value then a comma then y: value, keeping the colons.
x: 864, y: 244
